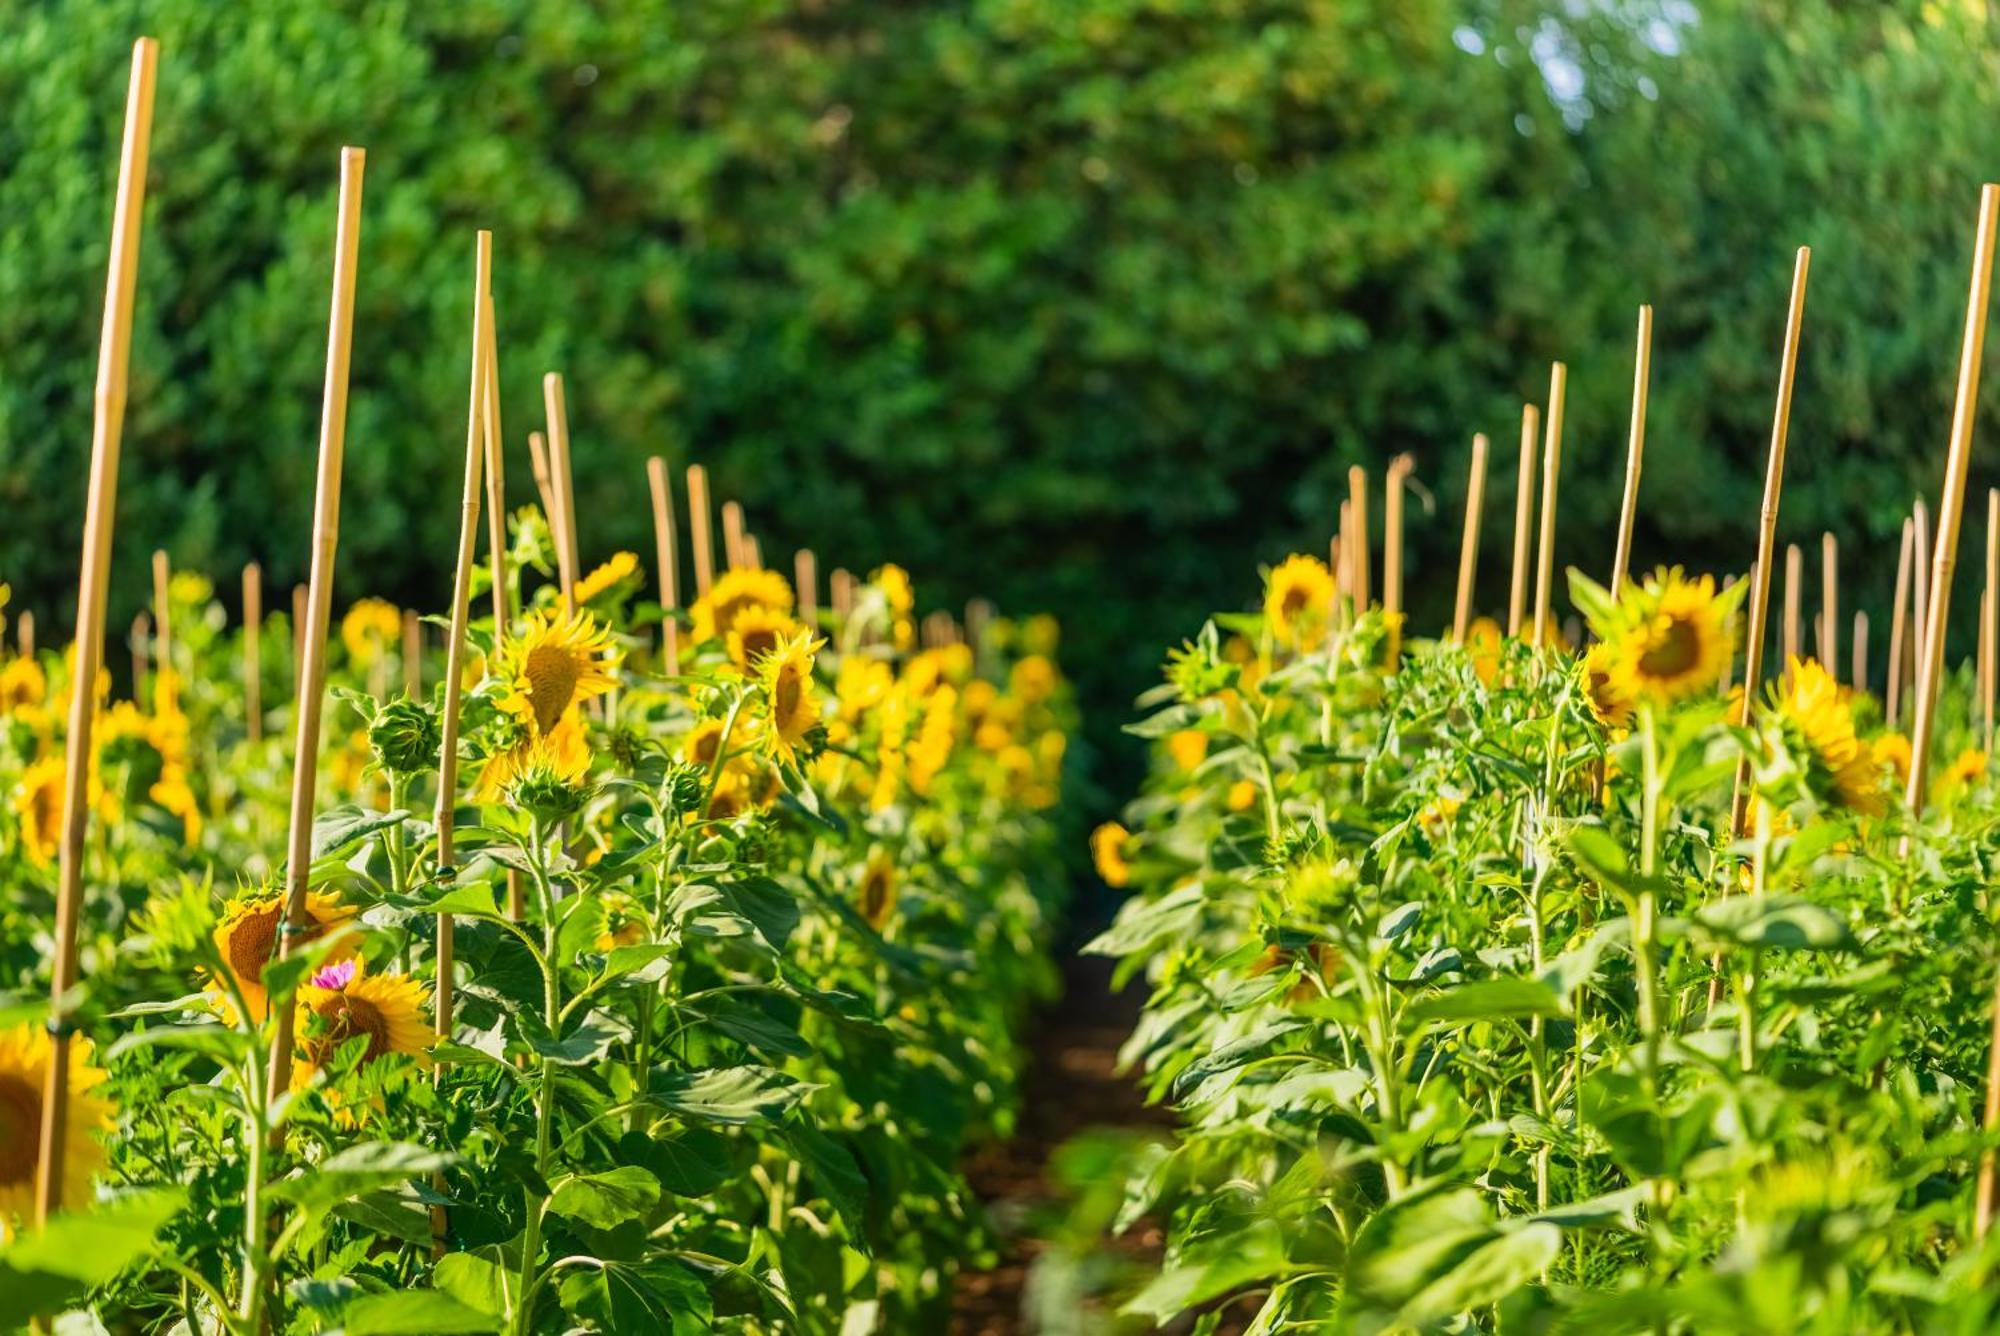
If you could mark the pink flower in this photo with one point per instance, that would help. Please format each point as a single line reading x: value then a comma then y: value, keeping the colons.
x: 334, y: 978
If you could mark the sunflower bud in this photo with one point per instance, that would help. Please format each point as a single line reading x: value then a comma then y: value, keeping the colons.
x: 545, y: 793
x: 405, y: 737
x: 684, y: 787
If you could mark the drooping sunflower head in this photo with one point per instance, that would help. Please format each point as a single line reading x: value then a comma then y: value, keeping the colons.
x: 1965, y: 770
x: 370, y: 627
x: 560, y: 659
x: 1814, y: 719
x: 1672, y: 638
x: 790, y: 699
x: 38, y: 800
x: 1298, y: 600
x: 1892, y: 752
x: 878, y: 889
x: 343, y: 1003
x: 1601, y: 688
x: 758, y: 633
x: 715, y: 613
x: 1107, y: 850
x: 24, y: 1074
x: 22, y: 683
x: 621, y: 572
x: 247, y: 939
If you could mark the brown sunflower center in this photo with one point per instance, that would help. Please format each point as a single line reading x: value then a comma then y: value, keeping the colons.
x: 786, y: 695
x: 1674, y: 651
x: 758, y: 643
x: 20, y: 1129
x: 1292, y: 602
x: 878, y: 888
x: 251, y: 942
x: 350, y: 1017
x: 552, y: 674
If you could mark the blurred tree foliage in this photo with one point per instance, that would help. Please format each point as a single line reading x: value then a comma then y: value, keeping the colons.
x: 1083, y: 304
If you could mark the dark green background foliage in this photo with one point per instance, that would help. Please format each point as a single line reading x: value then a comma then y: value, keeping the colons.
x: 1082, y: 304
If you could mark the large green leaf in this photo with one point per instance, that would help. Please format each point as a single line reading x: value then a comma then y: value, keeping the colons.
x: 46, y: 1270
x: 607, y: 1200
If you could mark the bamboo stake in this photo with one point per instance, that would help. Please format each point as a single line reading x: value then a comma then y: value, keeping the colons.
x: 1357, y: 503
x: 24, y: 627
x: 1729, y: 660
x: 545, y: 486
x: 1767, y: 540
x: 753, y: 551
x: 100, y: 513
x: 1860, y: 638
x: 298, y: 635
x: 733, y: 549
x: 1989, y: 630
x: 704, y: 549
x: 253, y: 652
x: 841, y: 586
x: 1920, y: 599
x: 165, y: 695
x: 140, y: 642
x: 1551, y: 469
x: 805, y: 578
x: 663, y: 543
x: 1343, y: 544
x: 1829, y: 589
x: 1951, y: 506
x: 1392, y: 552
x: 1468, y: 543
x: 326, y: 538
x: 560, y: 476
x: 413, y: 654
x: 1524, y: 518
x: 1897, y: 619
x: 1794, y: 578
x: 1983, y: 664
x: 496, y: 505
x: 1642, y: 375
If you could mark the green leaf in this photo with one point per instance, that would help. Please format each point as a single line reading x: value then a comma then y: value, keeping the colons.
x: 49, y: 1269
x: 476, y: 899
x: 689, y: 1162
x: 609, y: 1199
x: 1776, y: 923
x: 1598, y: 605
x: 727, y: 1095
x: 339, y: 829
x: 1405, y: 1246
x: 479, y: 1279
x: 414, y: 1313
x: 1511, y: 997
x: 358, y: 1169
x: 1242, y: 1257
x: 833, y: 1171
x: 1486, y: 1275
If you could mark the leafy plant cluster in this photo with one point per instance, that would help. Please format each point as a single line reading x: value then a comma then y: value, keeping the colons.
x: 739, y: 953
x: 1507, y: 989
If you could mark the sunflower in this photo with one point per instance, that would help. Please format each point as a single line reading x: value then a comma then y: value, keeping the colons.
x: 24, y: 1074
x: 901, y: 596
x: 624, y: 922
x: 931, y: 750
x: 757, y: 633
x: 1033, y: 679
x: 342, y: 1002
x: 1242, y: 795
x: 560, y: 757
x: 1966, y: 768
x: 878, y: 889
x: 786, y: 676
x: 38, y: 801
x: 1815, y: 718
x: 370, y: 627
x: 715, y: 612
x: 621, y: 567
x: 1892, y: 752
x: 1188, y: 747
x: 247, y: 940
x: 1482, y: 645
x: 1298, y: 600
x: 860, y: 685
x: 1672, y: 638
x: 22, y: 683
x: 1607, y: 703
x: 1107, y: 849
x: 560, y: 659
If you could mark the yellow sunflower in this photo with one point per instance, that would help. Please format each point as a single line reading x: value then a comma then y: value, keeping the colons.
x: 1673, y: 637
x: 787, y: 678
x: 1966, y: 769
x: 247, y: 939
x: 1107, y: 849
x: 1814, y: 715
x: 38, y: 801
x: 931, y: 750
x: 716, y: 612
x: 1892, y: 752
x: 343, y: 1002
x: 1188, y: 747
x: 560, y: 756
x: 624, y: 922
x: 1298, y: 601
x: 621, y: 567
x: 757, y: 633
x: 559, y: 659
x: 1482, y: 646
x: 878, y: 889
x: 1601, y: 689
x: 1243, y: 795
x: 901, y: 596
x: 860, y: 685
x: 24, y: 1075
x: 1033, y: 679
x: 22, y: 684
x: 370, y: 627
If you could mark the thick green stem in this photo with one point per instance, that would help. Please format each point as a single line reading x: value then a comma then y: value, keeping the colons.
x: 1644, y: 949
x: 545, y: 1089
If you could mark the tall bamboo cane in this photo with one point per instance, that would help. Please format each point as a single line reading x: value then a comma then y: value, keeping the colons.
x: 1951, y: 504
x: 698, y: 532
x: 1794, y: 579
x: 253, y: 652
x: 1642, y: 374
x: 734, y: 551
x: 24, y: 631
x: 1357, y: 505
x: 1468, y: 543
x: 562, y: 478
x: 840, y: 588
x: 805, y: 578
x: 100, y: 512
x: 1829, y: 593
x: 1859, y: 681
x: 496, y: 493
x: 545, y: 484
x: 1392, y: 552
x: 1545, y: 562
x: 1990, y: 634
x: 663, y: 544
x: 1920, y: 597
x: 165, y: 694
x: 1898, y: 625
x: 319, y: 598
x: 1524, y: 518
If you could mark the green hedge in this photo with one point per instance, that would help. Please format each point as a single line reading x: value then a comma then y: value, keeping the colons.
x: 1083, y: 304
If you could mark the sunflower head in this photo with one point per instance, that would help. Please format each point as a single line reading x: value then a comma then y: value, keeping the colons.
x: 38, y: 800
x: 370, y: 627
x: 1812, y: 716
x: 1601, y: 689
x: 560, y: 659
x: 1298, y: 601
x: 342, y: 1004
x: 543, y: 773
x: 1107, y: 850
x: 758, y: 633
x: 715, y: 613
x: 624, y: 922
x: 930, y: 750
x: 1892, y: 752
x: 247, y: 940
x: 791, y: 702
x: 1669, y: 638
x: 24, y: 1069
x: 405, y: 736
x: 22, y: 684
x: 1965, y: 770
x: 619, y: 575
x: 878, y: 889
x: 1482, y: 645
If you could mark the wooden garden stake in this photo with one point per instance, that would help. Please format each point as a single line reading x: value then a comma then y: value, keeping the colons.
x: 298, y: 635
x: 1983, y: 661
x: 1920, y: 598
x: 1989, y: 633
x: 1468, y: 543
x: 1392, y: 552
x: 24, y: 630
x: 165, y: 694
x: 704, y: 548
x: 1898, y: 619
x: 840, y: 585
x: 561, y: 477
x: 545, y: 485
x: 1794, y: 578
x: 496, y: 502
x: 805, y: 579
x: 663, y: 544
x: 1767, y: 541
x: 1859, y: 681
x: 413, y: 654
x: 1642, y: 374
x: 733, y: 551
x: 1357, y: 535
x: 1343, y: 548
x: 140, y: 641
x: 1545, y: 563
x: 319, y: 598
x: 1524, y: 518
x: 753, y: 552
x: 1829, y: 595
x: 1951, y: 504
x: 100, y: 512
x: 253, y: 651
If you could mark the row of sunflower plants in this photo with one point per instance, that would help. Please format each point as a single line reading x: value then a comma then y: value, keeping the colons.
x: 740, y: 953
x: 1504, y: 988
